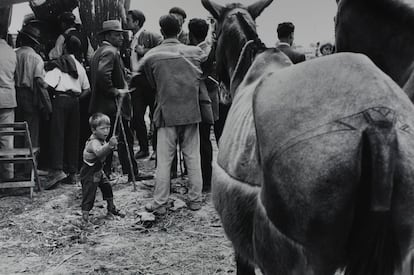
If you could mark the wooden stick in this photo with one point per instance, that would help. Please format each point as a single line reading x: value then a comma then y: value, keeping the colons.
x: 118, y: 113
x: 131, y: 169
x: 202, y: 233
x: 67, y: 258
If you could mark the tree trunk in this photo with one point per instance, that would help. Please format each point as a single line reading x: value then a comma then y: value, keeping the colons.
x: 5, y: 17
x: 94, y: 12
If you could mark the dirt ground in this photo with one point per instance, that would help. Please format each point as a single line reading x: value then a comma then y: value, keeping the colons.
x: 45, y: 235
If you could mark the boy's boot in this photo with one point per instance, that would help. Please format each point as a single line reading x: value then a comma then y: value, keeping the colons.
x: 85, y: 216
x: 112, y: 209
x: 70, y: 179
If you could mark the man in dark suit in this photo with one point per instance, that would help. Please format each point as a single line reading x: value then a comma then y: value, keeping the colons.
x: 285, y: 33
x: 143, y: 96
x: 108, y: 84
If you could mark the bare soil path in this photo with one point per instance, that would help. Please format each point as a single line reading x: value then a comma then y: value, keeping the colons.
x: 45, y: 235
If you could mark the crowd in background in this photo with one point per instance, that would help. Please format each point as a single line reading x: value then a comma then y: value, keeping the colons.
x: 129, y: 73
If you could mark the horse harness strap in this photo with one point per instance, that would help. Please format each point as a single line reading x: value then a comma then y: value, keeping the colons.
x: 241, y: 56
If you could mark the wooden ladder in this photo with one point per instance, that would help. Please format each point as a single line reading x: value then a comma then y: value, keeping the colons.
x: 25, y: 155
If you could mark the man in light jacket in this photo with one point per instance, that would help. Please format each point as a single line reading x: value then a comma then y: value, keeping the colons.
x: 177, y: 110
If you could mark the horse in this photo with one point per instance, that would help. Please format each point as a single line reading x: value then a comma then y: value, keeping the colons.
x: 382, y: 30
x: 315, y: 167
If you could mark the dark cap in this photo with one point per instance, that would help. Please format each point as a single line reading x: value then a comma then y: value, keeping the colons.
x: 31, y: 32
x: 178, y: 10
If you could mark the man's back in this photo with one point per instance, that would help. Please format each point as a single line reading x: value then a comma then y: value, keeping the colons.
x: 173, y: 69
x: 294, y: 56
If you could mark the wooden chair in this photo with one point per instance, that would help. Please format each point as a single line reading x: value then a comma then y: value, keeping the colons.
x: 24, y: 155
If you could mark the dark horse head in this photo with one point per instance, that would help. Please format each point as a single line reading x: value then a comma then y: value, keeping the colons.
x: 380, y: 29
x: 238, y: 22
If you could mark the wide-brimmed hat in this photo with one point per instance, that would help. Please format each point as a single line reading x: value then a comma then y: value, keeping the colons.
x: 111, y: 25
x: 31, y: 32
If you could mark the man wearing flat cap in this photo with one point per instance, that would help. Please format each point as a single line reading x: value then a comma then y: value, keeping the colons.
x: 29, y: 75
x: 108, y: 84
x: 31, y: 95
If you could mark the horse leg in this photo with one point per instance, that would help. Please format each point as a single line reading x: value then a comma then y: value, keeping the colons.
x: 235, y: 202
x: 243, y: 266
x: 274, y: 252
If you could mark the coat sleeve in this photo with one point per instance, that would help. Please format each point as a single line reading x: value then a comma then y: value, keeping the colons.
x: 104, y: 73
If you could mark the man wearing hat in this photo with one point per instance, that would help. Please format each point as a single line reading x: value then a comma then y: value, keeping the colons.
x: 143, y: 96
x: 67, y: 22
x: 108, y: 84
x: 29, y: 79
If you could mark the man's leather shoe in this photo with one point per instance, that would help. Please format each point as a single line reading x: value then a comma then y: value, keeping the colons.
x: 141, y: 176
x: 159, y: 209
x: 194, y: 205
x: 141, y: 154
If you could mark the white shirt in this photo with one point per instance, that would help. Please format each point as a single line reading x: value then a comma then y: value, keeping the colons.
x: 63, y: 82
x: 282, y: 44
x: 134, y: 56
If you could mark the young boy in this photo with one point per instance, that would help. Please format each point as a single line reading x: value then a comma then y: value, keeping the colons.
x: 91, y: 174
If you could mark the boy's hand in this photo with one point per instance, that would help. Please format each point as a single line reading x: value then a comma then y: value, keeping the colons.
x: 113, y: 142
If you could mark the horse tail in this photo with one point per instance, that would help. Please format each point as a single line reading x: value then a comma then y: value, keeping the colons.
x: 373, y: 247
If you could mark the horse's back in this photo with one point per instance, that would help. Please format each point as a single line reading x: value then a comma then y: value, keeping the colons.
x: 309, y: 121
x: 303, y: 97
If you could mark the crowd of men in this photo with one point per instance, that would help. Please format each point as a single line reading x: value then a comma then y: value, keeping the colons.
x: 164, y: 73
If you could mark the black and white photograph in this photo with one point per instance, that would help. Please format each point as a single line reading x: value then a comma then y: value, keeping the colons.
x: 198, y: 137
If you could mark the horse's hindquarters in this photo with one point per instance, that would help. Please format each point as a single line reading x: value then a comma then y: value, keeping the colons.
x: 314, y: 189
x: 309, y: 192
